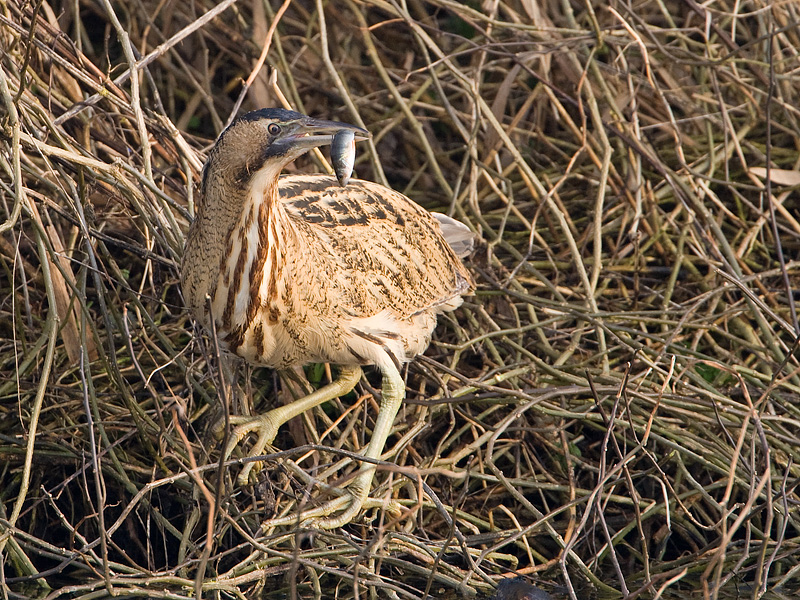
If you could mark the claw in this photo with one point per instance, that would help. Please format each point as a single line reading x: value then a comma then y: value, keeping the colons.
x: 267, y: 429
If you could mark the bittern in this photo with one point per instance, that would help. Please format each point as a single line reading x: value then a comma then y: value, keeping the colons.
x: 297, y: 269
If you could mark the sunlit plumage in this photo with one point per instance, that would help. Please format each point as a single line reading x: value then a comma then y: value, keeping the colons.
x: 299, y: 269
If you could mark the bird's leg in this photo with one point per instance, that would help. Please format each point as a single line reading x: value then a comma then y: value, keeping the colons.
x: 393, y: 392
x: 267, y: 424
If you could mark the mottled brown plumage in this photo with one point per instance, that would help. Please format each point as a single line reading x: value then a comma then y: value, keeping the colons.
x: 299, y: 270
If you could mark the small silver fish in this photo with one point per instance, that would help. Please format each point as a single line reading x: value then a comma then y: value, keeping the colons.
x: 343, y: 155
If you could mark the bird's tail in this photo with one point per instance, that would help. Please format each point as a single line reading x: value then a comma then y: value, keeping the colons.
x: 457, y: 235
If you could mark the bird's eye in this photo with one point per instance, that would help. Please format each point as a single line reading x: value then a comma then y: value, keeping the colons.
x: 274, y: 129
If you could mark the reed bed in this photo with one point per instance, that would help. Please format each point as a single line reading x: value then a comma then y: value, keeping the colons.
x: 614, y: 414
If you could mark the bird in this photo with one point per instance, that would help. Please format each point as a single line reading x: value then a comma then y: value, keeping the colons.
x: 296, y: 269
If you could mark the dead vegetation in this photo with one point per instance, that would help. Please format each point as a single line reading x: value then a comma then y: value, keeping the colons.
x: 614, y: 414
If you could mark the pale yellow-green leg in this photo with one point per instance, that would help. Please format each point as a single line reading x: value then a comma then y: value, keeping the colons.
x: 267, y: 424
x: 393, y: 392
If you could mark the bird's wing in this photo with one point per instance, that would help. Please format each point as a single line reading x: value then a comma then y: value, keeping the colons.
x: 382, y: 251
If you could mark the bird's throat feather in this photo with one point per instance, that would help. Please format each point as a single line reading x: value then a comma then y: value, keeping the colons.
x: 253, y: 267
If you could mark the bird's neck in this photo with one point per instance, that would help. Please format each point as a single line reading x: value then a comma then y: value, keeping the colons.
x: 254, y: 244
x: 235, y: 228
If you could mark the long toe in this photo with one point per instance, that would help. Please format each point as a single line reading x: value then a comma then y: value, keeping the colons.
x: 266, y: 435
x: 343, y: 510
x: 266, y: 429
x: 335, y: 513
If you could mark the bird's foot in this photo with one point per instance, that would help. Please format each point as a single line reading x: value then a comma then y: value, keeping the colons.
x: 267, y: 424
x: 340, y: 511
x: 349, y: 502
x: 267, y: 430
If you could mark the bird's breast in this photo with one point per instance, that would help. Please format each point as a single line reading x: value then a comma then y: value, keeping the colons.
x: 250, y: 287
x: 269, y: 301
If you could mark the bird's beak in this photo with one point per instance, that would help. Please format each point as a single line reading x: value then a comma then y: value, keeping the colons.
x: 312, y: 133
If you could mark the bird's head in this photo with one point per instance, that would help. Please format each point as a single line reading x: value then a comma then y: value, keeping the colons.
x: 269, y: 138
